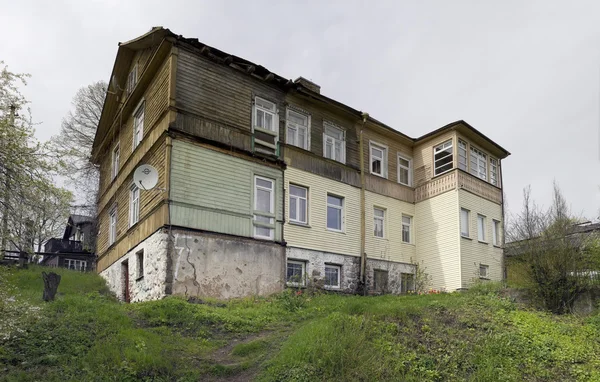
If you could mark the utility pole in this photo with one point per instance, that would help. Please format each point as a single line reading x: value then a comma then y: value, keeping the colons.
x: 6, y: 194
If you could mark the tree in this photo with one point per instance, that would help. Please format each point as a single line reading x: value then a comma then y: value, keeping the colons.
x: 75, y: 140
x: 27, y: 168
x: 558, y: 259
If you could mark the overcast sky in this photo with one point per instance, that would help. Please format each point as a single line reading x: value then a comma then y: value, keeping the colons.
x: 526, y: 74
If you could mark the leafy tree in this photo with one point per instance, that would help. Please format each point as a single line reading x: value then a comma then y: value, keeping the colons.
x: 558, y: 257
x: 75, y: 140
x: 27, y: 168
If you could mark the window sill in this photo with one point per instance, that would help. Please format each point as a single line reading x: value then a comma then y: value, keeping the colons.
x: 379, y: 175
x: 336, y: 231
x: 407, y: 243
x: 380, y: 238
x: 305, y: 225
x: 139, y: 278
x: 331, y: 287
x: 483, y: 242
x: 295, y: 285
x: 497, y: 246
x: 466, y: 237
x: 484, y: 278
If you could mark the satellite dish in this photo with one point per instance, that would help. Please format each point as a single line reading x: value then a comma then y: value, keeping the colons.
x: 145, y: 177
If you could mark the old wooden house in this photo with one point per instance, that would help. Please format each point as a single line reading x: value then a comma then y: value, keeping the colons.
x: 264, y: 181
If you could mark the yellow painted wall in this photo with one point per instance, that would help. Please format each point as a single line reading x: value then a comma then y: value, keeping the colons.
x: 315, y: 235
x: 390, y: 247
x: 423, y: 157
x: 437, y: 237
x: 474, y: 252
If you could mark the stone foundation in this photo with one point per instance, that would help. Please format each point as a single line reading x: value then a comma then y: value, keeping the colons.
x: 394, y: 271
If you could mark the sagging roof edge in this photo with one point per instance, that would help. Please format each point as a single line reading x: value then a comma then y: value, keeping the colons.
x: 299, y: 87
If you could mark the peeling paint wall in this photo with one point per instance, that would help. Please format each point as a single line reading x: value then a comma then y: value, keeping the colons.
x: 151, y: 284
x: 221, y: 267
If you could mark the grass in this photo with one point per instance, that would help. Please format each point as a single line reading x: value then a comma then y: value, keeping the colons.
x: 86, y: 334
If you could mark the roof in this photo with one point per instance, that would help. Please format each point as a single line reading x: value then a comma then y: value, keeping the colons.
x: 79, y: 219
x: 158, y: 34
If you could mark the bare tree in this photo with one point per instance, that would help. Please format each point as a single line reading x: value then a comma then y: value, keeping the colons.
x: 557, y: 257
x: 75, y: 140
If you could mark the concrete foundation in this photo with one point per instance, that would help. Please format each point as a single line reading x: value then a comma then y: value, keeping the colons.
x: 226, y: 267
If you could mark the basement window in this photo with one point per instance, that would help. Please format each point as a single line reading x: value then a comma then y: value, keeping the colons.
x: 296, y: 271
x: 140, y: 264
x: 484, y: 271
x: 443, y: 157
x: 332, y: 275
x: 407, y: 282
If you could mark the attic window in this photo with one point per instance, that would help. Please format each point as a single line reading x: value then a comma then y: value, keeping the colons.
x: 132, y: 79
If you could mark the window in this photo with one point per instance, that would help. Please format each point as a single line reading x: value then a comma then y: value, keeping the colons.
x: 332, y: 276
x: 140, y: 264
x: 380, y: 281
x: 378, y: 160
x: 496, y: 233
x: 334, y: 144
x: 407, y: 282
x: 378, y: 222
x: 134, y: 204
x: 462, y: 155
x: 298, y: 204
x: 114, y: 168
x: 77, y: 265
x: 405, y: 170
x: 335, y: 212
x: 298, y: 127
x: 406, y: 224
x: 138, y: 124
x: 480, y: 227
x: 295, y: 272
x: 264, y: 208
x: 132, y: 79
x: 112, y: 226
x: 442, y: 155
x: 478, y: 163
x: 464, y: 222
x: 484, y: 271
x: 494, y: 172
x: 264, y: 114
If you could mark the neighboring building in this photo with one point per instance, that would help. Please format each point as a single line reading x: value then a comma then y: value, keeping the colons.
x: 76, y: 248
x: 260, y: 184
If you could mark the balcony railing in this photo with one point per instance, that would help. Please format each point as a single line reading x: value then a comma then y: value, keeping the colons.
x: 458, y: 179
x: 63, y: 246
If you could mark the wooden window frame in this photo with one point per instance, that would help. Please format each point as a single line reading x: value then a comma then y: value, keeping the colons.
x: 270, y: 214
x: 339, y: 276
x: 468, y: 223
x: 341, y: 208
x: 463, y: 152
x: 138, y: 127
x: 134, y: 204
x: 486, y: 274
x: 480, y: 158
x: 436, y: 149
x: 330, y: 126
x: 383, y: 159
x: 494, y: 171
x: 296, y: 199
x: 481, y: 234
x: 496, y: 232
x: 409, y: 225
x: 409, y: 169
x: 112, y: 225
x: 115, y: 161
x: 302, y: 281
x: 381, y: 219
x: 294, y: 126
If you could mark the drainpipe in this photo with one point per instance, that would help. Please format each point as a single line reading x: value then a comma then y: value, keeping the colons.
x: 363, y: 253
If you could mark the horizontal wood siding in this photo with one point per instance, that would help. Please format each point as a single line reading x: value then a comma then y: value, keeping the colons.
x: 473, y: 252
x: 395, y: 145
x: 437, y: 238
x: 390, y: 247
x: 315, y: 235
x: 423, y: 157
x: 214, y: 191
x: 221, y: 96
x: 307, y: 161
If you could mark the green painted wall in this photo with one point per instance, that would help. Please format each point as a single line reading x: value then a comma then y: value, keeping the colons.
x: 213, y: 191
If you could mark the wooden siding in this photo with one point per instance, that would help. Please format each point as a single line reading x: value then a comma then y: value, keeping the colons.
x: 436, y: 186
x: 423, y: 157
x: 386, y: 187
x: 152, y: 213
x: 481, y: 146
x: 310, y: 162
x: 321, y: 112
x: 479, y: 187
x: 473, y: 253
x: 315, y: 235
x: 395, y: 145
x: 390, y: 247
x: 157, y: 101
x: 217, y: 100
x: 214, y: 191
x: 437, y: 238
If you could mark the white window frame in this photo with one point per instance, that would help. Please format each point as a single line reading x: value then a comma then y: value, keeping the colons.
x: 270, y: 214
x: 327, y: 137
x: 496, y: 232
x: 132, y: 79
x: 78, y: 265
x: 341, y: 208
x: 380, y: 219
x: 463, y: 153
x: 116, y: 154
x: 139, y: 257
x: 486, y: 274
x: 467, y: 222
x: 448, y: 144
x: 481, y: 223
x: 302, y: 278
x: 138, y: 127
x: 409, y: 169
x: 480, y: 159
x: 271, y: 111
x: 339, y: 276
x: 494, y: 166
x: 296, y: 200
x: 112, y: 225
x: 289, y: 125
x: 134, y: 204
x: 409, y: 225
x: 383, y: 158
